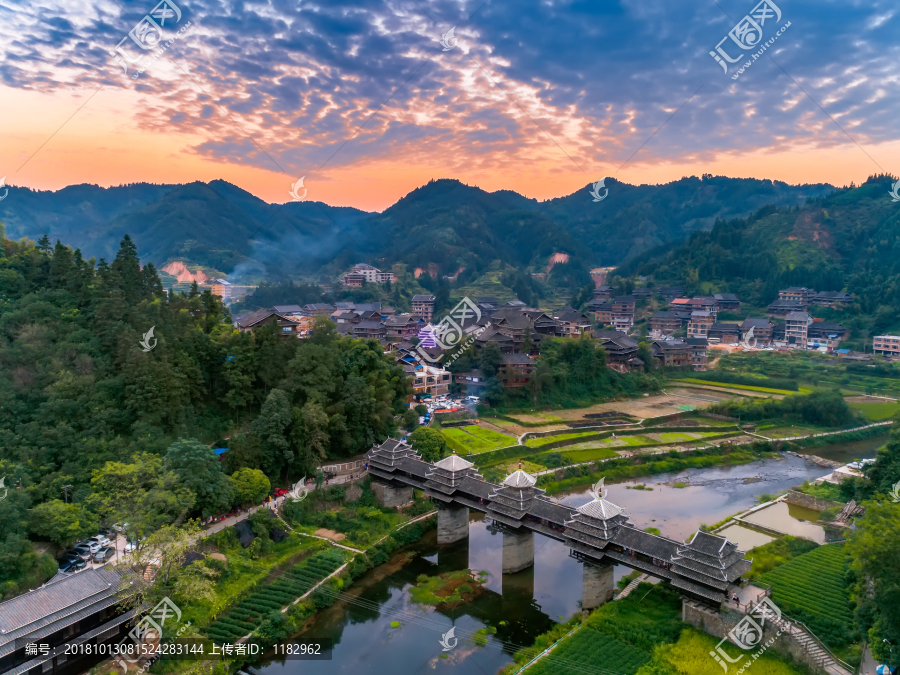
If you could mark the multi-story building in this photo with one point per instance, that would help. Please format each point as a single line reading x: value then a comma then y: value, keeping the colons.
x: 430, y: 380
x: 889, y: 345
x: 796, y: 328
x: 825, y: 334
x: 572, y: 323
x: 601, y: 311
x: 724, y: 333
x: 833, y: 299
x: 423, y: 305
x: 317, y: 309
x: 700, y: 323
x: 800, y: 294
x: 621, y: 352
x: 670, y: 292
x: 672, y: 353
x: 515, y: 370
x: 664, y: 323
x: 756, y: 332
x: 698, y: 347
x: 363, y: 272
x: 403, y: 325
x: 604, y: 292
x: 728, y: 302
x: 781, y: 308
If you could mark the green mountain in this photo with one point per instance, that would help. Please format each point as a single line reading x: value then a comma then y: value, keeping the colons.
x: 847, y: 241
x: 444, y: 226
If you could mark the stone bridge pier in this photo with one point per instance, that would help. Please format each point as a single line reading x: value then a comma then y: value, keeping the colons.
x: 518, y: 550
x: 391, y: 496
x: 453, y: 524
x: 597, y: 585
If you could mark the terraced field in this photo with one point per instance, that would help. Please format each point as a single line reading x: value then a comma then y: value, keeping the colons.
x: 590, y: 651
x: 812, y: 588
x: 475, y: 439
x: 250, y: 612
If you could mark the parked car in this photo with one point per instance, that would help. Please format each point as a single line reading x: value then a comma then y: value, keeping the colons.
x: 109, y: 532
x: 280, y: 492
x: 104, y: 555
x: 130, y: 546
x: 92, y: 544
x: 82, y: 551
x: 101, y: 539
x: 70, y: 563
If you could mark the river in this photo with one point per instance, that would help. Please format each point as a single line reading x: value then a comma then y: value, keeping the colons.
x: 527, y: 603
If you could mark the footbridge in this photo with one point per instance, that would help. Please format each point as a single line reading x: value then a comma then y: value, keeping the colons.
x: 599, y: 533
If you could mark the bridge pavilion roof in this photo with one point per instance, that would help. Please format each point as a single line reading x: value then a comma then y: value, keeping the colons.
x: 512, y: 500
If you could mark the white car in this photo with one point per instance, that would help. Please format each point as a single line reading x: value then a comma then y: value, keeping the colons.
x: 92, y: 544
x: 130, y: 546
x: 101, y: 539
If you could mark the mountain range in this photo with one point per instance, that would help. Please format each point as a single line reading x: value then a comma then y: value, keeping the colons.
x: 443, y: 226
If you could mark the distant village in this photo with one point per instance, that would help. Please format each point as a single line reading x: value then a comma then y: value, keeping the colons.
x: 680, y: 335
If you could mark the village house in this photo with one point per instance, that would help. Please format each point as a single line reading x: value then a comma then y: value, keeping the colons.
x: 833, y: 299
x: 798, y: 294
x: 423, y: 305
x: 724, y: 333
x: 728, y: 302
x: 796, y: 327
x: 781, y: 308
x: 700, y: 323
x: 362, y: 272
x: 621, y: 352
x: 670, y: 292
x: 664, y: 323
x: 604, y: 292
x: 672, y: 353
x: 471, y: 383
x: 888, y: 345
x: 572, y: 323
x: 292, y: 312
x: 317, y: 309
x: 825, y: 334
x: 698, y: 347
x: 403, y: 325
x: 515, y: 370
x: 642, y: 293
x: 369, y: 329
x: 601, y: 311
x: 756, y: 332
x: 266, y: 317
x: 428, y: 379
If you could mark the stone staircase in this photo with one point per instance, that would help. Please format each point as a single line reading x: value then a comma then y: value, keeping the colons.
x: 824, y: 659
x: 625, y: 592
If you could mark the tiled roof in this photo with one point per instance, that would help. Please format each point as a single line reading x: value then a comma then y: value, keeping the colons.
x: 256, y: 317
x: 287, y: 309
x: 423, y: 298
x: 519, y: 479
x: 600, y: 508
x: 453, y: 463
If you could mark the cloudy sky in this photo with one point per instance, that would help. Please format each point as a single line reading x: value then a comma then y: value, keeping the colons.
x: 364, y: 100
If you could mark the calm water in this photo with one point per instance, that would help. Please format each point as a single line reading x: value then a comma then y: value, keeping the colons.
x: 848, y: 452
x: 528, y: 602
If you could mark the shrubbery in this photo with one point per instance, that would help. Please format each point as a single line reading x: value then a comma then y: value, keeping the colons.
x: 824, y: 409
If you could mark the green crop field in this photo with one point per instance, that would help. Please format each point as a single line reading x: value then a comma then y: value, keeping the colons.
x: 812, y: 588
x: 543, y: 440
x: 474, y: 439
x: 877, y: 411
x: 247, y: 615
x: 586, y: 455
x: 588, y: 650
x: 747, y: 387
x: 691, y: 655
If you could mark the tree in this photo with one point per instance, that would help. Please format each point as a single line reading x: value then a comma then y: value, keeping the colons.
x: 490, y: 358
x: 309, y: 435
x: 645, y: 354
x: 198, y: 469
x: 141, y: 496
x: 429, y: 443
x: 410, y: 419
x: 272, y: 427
x: 874, y: 550
x: 250, y: 485
x: 494, y: 391
x: 62, y: 523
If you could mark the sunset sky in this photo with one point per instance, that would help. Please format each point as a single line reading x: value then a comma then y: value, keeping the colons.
x: 538, y: 97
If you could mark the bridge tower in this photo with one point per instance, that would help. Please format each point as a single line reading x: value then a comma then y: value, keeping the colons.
x: 386, y: 463
x: 508, y: 505
x: 446, y: 483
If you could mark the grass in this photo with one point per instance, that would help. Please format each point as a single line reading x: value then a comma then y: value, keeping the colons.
x: 448, y: 588
x: 747, y: 387
x: 544, y: 440
x: 877, y: 412
x: 690, y: 656
x: 475, y: 440
x: 588, y: 455
x: 812, y: 588
x: 828, y: 491
x: 776, y: 553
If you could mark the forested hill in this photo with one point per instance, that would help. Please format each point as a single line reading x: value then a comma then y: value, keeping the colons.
x: 849, y: 240
x: 445, y: 224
